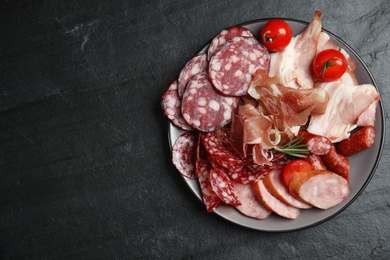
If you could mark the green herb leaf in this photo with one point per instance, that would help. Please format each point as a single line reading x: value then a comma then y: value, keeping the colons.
x: 294, y: 148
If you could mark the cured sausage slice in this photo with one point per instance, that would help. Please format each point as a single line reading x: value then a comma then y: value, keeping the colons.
x: 337, y: 163
x: 275, y: 205
x: 171, y: 105
x: 225, y: 36
x: 316, y: 162
x: 231, y: 68
x: 194, y: 66
x: 219, y: 153
x: 249, y: 173
x: 223, y: 187
x: 205, y: 109
x: 252, y: 172
x: 321, y: 188
x: 275, y: 185
x: 250, y: 206
x: 184, y: 153
x: 210, y: 198
x: 317, y: 144
x: 357, y: 141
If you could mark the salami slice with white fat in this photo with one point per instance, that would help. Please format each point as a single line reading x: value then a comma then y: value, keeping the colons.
x: 225, y: 36
x: 205, y: 109
x: 219, y: 153
x: 280, y: 208
x: 275, y: 185
x: 171, y: 105
x: 210, y: 198
x: 250, y: 206
x: 251, y: 172
x: 184, y: 153
x: 194, y: 66
x: 223, y: 187
x: 231, y: 68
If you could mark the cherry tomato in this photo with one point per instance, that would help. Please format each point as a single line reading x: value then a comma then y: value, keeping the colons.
x: 294, y: 168
x: 276, y: 35
x: 329, y: 65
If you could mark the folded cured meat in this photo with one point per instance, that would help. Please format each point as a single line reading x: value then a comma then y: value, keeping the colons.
x: 347, y: 102
x: 293, y: 64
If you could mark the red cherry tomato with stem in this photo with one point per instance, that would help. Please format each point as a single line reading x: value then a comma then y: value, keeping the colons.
x: 329, y: 65
x: 295, y: 168
x: 276, y: 35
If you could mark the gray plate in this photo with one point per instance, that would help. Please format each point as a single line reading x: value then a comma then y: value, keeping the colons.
x: 363, y: 164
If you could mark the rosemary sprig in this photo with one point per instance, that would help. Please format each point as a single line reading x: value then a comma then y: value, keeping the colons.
x: 294, y: 148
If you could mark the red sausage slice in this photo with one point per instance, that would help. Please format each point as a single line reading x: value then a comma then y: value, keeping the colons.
x: 321, y: 188
x: 223, y: 187
x: 225, y: 36
x: 219, y: 153
x: 231, y: 68
x: 317, y: 144
x: 337, y: 163
x: 194, y: 66
x: 210, y: 198
x: 184, y: 153
x: 316, y: 162
x: 171, y: 105
x: 357, y: 141
x: 205, y: 109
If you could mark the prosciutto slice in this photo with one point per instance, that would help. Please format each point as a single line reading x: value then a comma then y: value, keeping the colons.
x: 290, y: 107
x: 347, y: 102
x: 293, y: 64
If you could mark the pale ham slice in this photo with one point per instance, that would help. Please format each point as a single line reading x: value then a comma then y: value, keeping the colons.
x: 347, y: 102
x: 275, y: 205
x: 250, y: 206
x: 293, y: 64
x: 367, y: 118
x: 275, y: 185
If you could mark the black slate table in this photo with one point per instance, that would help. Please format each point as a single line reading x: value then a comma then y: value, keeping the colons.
x: 85, y: 164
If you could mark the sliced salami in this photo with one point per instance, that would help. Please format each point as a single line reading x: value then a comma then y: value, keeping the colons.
x: 194, y: 66
x: 205, y: 109
x: 249, y: 173
x: 171, y: 105
x: 252, y: 172
x: 225, y: 36
x: 317, y: 144
x: 184, y: 153
x: 250, y: 204
x: 219, y: 153
x: 223, y: 187
x: 210, y: 198
x: 231, y: 68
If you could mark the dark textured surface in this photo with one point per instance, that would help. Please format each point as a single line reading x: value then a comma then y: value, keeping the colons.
x: 85, y: 168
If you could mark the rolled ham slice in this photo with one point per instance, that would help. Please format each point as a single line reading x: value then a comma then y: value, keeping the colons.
x: 321, y: 188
